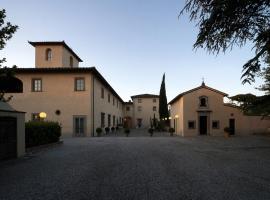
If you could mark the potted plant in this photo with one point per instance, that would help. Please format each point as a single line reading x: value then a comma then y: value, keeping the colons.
x: 171, y: 131
x: 107, y: 130
x: 227, y: 132
x: 127, y: 131
x: 112, y: 129
x: 151, y: 131
x: 99, y: 131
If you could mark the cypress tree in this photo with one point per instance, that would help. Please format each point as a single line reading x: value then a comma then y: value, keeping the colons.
x: 163, y: 105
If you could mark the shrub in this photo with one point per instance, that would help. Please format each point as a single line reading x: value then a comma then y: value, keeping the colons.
x: 171, y: 131
x: 99, y: 131
x: 151, y: 131
x: 40, y: 132
x: 127, y: 131
x: 227, y: 130
x: 107, y: 130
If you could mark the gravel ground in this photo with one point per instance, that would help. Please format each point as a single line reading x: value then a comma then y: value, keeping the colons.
x: 121, y: 168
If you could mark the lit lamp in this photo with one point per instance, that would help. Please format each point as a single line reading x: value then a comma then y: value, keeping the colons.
x: 170, y: 118
x: 165, y: 118
x: 42, y: 115
x: 176, y: 116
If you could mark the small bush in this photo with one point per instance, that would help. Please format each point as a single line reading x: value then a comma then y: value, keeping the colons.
x: 151, y: 131
x: 227, y: 130
x: 171, y: 131
x: 107, y: 130
x: 39, y: 133
x: 127, y: 131
x: 99, y: 131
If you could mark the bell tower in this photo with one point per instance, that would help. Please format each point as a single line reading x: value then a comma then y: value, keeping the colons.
x: 54, y: 54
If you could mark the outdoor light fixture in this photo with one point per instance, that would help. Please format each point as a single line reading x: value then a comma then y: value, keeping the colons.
x: 170, y: 118
x: 176, y: 116
x: 42, y: 115
x: 165, y: 118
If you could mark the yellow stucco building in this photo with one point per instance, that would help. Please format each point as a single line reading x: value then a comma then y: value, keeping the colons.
x: 82, y: 100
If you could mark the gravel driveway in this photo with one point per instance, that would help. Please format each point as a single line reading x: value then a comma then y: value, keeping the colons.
x: 121, y: 168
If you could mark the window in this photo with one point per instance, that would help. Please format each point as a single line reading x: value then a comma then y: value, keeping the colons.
x: 154, y: 100
x: 113, y: 120
x: 203, y: 101
x: 154, y: 108
x: 79, y: 84
x: 191, y: 125
x: 113, y: 101
x: 139, y: 100
x: 70, y: 61
x: 35, y: 117
x: 102, y: 124
x: 127, y: 108
x: 102, y: 93
x: 139, y: 108
x: 215, y: 124
x: 109, y: 120
x: 36, y: 85
x: 48, y: 54
x: 117, y: 103
x: 79, y: 125
x: 109, y: 98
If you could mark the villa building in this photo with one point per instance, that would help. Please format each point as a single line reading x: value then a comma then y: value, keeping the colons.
x: 202, y: 111
x: 143, y: 109
x: 81, y: 100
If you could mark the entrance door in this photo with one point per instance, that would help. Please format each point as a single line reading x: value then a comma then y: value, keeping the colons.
x: 203, y: 125
x: 232, y: 126
x: 8, y: 137
x: 79, y: 126
x: 139, y: 123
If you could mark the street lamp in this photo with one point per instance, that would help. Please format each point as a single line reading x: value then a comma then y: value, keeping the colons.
x: 42, y: 115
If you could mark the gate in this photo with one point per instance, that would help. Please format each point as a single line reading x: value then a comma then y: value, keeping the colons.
x: 8, y: 137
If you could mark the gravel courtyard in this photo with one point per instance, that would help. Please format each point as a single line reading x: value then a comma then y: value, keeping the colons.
x: 121, y: 168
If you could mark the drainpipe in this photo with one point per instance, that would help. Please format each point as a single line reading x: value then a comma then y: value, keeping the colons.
x: 93, y: 105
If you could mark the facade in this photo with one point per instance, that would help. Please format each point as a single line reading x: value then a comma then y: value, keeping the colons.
x: 79, y: 98
x: 202, y: 111
x: 142, y: 110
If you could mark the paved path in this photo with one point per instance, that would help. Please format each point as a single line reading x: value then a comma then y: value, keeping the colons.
x: 120, y: 168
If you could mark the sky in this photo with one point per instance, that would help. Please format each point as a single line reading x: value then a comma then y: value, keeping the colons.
x: 130, y: 42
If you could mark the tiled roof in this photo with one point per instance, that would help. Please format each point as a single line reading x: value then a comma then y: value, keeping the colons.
x: 63, y: 70
x: 194, y: 89
x: 56, y: 43
x: 145, y: 96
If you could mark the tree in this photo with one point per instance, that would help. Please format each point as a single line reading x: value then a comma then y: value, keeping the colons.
x: 256, y: 105
x: 163, y: 105
x: 6, y: 32
x: 224, y: 24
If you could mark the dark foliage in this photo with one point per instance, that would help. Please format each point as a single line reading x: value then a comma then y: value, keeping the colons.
x: 253, y: 105
x: 39, y: 133
x: 163, y: 105
x: 224, y: 24
x: 99, y: 131
x: 6, y: 32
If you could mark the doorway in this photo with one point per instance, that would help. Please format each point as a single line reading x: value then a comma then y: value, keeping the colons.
x: 8, y: 137
x: 232, y: 126
x: 203, y: 125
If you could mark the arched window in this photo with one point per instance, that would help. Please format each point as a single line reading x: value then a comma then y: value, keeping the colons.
x: 203, y: 101
x: 48, y: 54
x: 70, y: 61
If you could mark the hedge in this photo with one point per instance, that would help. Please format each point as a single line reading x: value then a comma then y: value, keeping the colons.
x: 39, y: 133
